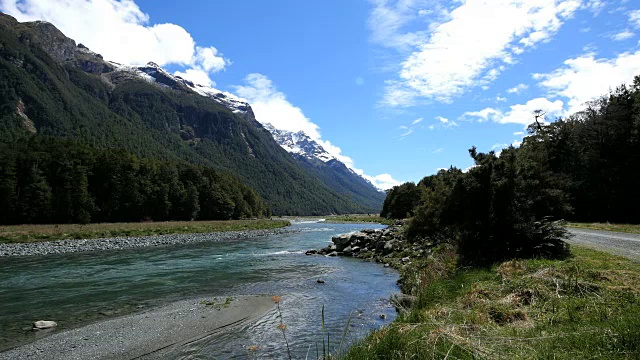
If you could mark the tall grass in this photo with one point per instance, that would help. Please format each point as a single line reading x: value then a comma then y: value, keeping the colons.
x: 583, y: 307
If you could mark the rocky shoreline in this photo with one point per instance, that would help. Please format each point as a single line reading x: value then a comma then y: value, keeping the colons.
x: 121, y: 243
x: 388, y: 246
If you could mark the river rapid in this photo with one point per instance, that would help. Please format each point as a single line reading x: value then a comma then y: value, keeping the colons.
x: 82, y: 288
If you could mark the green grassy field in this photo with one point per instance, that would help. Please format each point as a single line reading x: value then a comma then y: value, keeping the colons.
x: 359, y: 218
x: 627, y: 228
x: 583, y: 307
x: 31, y: 233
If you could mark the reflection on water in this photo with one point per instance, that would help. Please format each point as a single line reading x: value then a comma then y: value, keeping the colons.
x: 75, y: 289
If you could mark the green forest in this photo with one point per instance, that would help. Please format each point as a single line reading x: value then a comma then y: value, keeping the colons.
x: 46, y: 180
x: 580, y: 168
x: 45, y: 92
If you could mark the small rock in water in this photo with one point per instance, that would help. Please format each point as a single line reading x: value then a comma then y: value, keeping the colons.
x: 320, y: 281
x: 383, y: 316
x: 386, y: 265
x: 44, y: 324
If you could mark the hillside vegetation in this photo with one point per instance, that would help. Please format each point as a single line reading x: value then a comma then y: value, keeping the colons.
x: 51, y: 88
x: 498, y: 280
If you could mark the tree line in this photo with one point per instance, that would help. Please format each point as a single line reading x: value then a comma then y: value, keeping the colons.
x: 48, y: 180
x: 580, y: 168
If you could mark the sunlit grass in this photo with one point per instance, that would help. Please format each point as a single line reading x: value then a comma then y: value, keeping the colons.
x: 33, y: 233
x: 359, y: 218
x: 583, y: 307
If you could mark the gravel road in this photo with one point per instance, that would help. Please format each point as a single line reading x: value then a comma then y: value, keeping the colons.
x: 623, y: 244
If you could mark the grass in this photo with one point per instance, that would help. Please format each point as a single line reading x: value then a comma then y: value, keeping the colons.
x: 584, y: 307
x: 626, y: 228
x: 359, y: 218
x: 34, y: 233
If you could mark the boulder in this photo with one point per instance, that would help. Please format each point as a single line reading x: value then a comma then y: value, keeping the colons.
x: 348, y: 250
x: 44, y: 324
x: 311, y: 252
x: 389, y: 246
x: 333, y: 253
x: 342, y: 241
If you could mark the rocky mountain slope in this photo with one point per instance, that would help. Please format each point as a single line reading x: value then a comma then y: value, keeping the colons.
x: 51, y: 87
x: 313, y: 157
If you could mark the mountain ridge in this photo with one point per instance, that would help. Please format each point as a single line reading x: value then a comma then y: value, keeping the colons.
x: 68, y: 91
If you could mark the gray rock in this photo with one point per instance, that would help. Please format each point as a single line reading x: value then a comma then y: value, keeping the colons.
x: 342, y: 241
x: 44, y: 324
x: 333, y: 253
x: 389, y: 246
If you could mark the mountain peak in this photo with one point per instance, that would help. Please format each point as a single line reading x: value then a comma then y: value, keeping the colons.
x: 299, y: 143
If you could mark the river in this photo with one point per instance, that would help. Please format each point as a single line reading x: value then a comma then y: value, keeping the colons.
x: 78, y: 289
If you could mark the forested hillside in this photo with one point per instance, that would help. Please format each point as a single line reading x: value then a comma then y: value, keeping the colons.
x: 582, y: 168
x: 49, y: 87
x: 55, y: 181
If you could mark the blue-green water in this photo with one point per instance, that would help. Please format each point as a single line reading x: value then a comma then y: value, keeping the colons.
x: 75, y: 289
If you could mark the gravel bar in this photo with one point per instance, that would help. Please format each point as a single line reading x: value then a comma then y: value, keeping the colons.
x: 157, y: 334
x: 120, y: 243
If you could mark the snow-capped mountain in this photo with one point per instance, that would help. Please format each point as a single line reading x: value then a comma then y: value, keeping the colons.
x: 299, y: 143
x: 152, y: 72
x: 296, y: 143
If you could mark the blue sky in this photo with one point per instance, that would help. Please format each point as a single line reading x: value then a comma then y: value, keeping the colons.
x: 396, y: 89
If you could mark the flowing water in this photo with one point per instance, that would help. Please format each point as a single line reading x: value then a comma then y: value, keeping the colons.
x: 76, y: 289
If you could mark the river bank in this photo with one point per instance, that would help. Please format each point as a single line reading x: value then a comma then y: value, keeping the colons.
x: 154, y: 334
x: 584, y: 306
x: 80, y: 289
x: 121, y: 243
x: 51, y: 232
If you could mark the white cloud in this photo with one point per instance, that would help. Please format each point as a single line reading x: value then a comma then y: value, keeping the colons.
x: 416, y: 121
x: 271, y: 106
x: 523, y: 113
x: 406, y: 133
x: 197, y: 76
x: 359, y: 81
x: 519, y: 113
x: 383, y: 181
x: 466, y: 50
x: 518, y: 88
x: 388, y: 18
x: 634, y: 18
x: 121, y: 32
x: 595, y: 6
x: 444, y: 123
x: 438, y: 151
x: 500, y: 99
x: 484, y: 114
x: 586, y: 78
x: 623, y: 35
x: 208, y: 59
x: 518, y: 133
